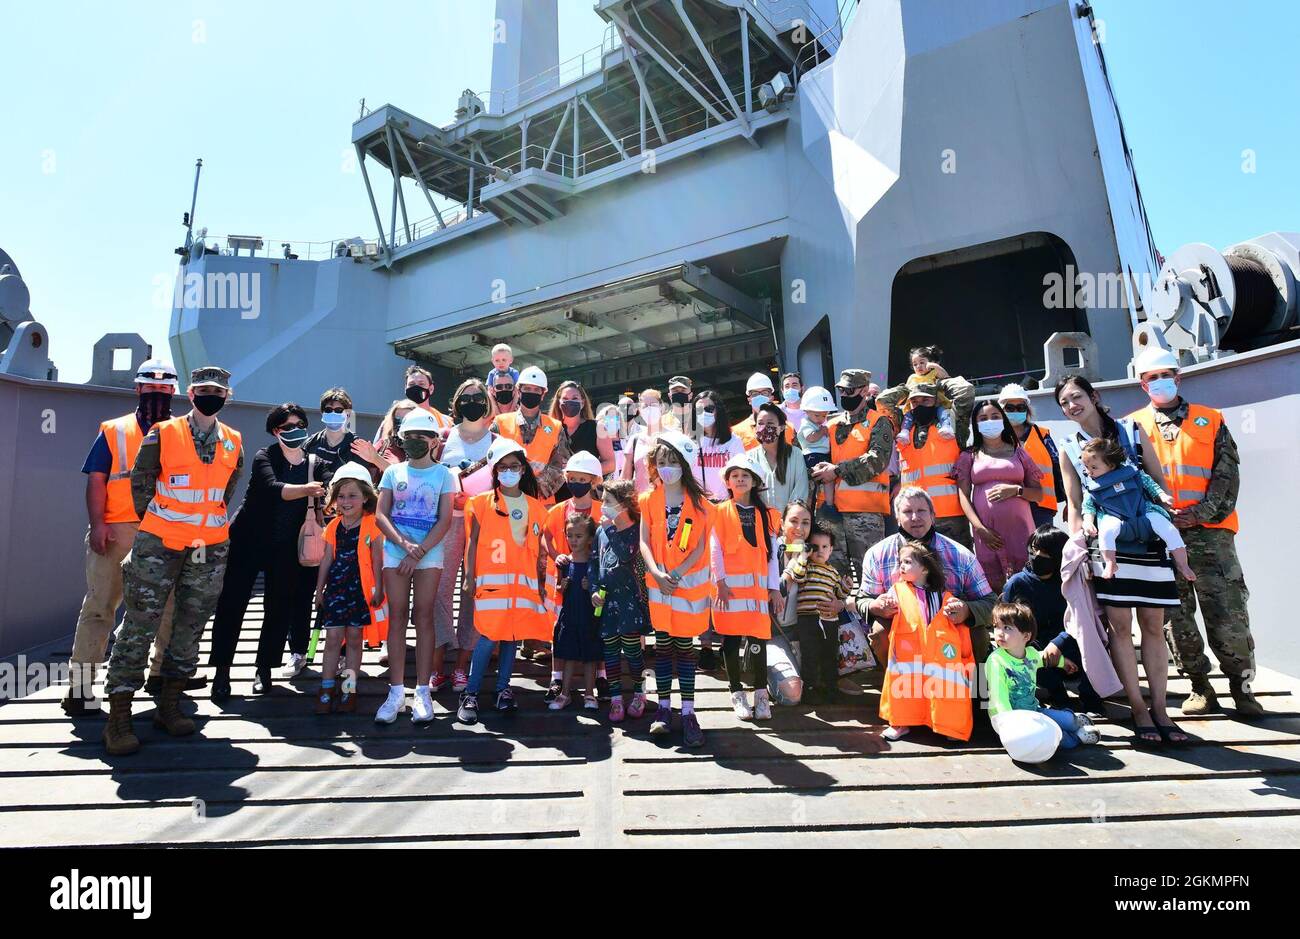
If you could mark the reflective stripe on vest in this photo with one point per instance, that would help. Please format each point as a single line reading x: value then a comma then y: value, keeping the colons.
x: 680, y: 604
x: 123, y: 436
x: 1188, y: 459
x: 939, y: 652
x: 745, y: 568
x: 188, y: 506
x: 929, y: 670
x: 1042, y: 458
x: 930, y: 467
x: 873, y: 495
x: 507, y: 607
x: 684, y: 612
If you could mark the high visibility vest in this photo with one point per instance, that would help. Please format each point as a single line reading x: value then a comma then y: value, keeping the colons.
x: 369, y: 541
x: 123, y: 435
x: 744, y: 571
x: 746, y: 428
x: 1188, y: 459
x: 544, y: 442
x: 507, y: 607
x: 873, y: 495
x: 556, y: 518
x: 930, y: 467
x: 684, y: 612
x: 931, y: 670
x: 440, y: 420
x: 189, y: 502
x: 1037, y: 451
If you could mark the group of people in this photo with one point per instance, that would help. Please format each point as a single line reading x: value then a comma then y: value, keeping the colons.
x: 1004, y: 568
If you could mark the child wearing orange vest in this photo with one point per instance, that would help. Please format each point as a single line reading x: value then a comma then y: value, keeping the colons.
x: 505, y: 564
x: 350, y: 585
x: 676, y: 521
x: 748, y: 578
x: 931, y: 667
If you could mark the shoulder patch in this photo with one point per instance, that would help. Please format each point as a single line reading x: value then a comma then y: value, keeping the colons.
x: 1202, y: 422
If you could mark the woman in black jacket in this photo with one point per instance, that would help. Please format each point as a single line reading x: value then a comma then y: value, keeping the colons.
x: 264, y: 540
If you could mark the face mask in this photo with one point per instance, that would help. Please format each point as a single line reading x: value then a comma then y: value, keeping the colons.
x: 791, y: 395
x: 1162, y: 390
x: 417, y: 394
x: 578, y: 490
x: 504, y: 395
x: 871, y: 404
x: 1017, y: 417
x: 1043, y: 566
x: 766, y: 434
x: 706, y: 419
x: 571, y: 408
x: 293, y: 438
x: 473, y: 410
x: 509, y: 478
x: 679, y: 398
x: 651, y: 415
x: 530, y: 399
x: 333, y: 421
x: 609, y: 514
x: 670, y: 474
x: 207, y: 405
x: 924, y: 415
x: 990, y: 428
x: 154, y: 406
x: 416, y: 447
x: 850, y: 402
x: 758, y: 401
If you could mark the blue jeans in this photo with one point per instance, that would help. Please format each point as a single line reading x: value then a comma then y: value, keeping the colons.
x: 1064, y: 719
x: 479, y: 662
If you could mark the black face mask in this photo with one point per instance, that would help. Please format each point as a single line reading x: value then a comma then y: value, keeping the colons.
x: 153, y: 406
x: 871, y: 404
x: 570, y: 409
x: 924, y: 539
x: 417, y: 394
x: 207, y: 405
x: 680, y: 398
x: 416, y: 447
x: 850, y: 402
x: 924, y: 415
x: 473, y: 410
x: 504, y: 395
x: 1044, y: 567
x: 578, y: 490
x: 530, y: 399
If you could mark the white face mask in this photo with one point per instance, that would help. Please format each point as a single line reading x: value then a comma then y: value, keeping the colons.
x: 509, y: 478
x: 651, y: 414
x: 670, y: 474
x: 991, y: 428
x: 706, y: 419
x: 609, y: 514
x: 1162, y: 390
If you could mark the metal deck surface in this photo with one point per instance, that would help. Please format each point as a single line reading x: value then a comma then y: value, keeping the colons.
x: 266, y: 771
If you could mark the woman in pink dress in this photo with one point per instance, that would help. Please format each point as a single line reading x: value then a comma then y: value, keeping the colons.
x: 997, y: 483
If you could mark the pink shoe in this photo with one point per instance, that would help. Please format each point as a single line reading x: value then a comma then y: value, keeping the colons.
x: 616, y: 709
x: 637, y: 707
x: 459, y: 680
x: 437, y: 683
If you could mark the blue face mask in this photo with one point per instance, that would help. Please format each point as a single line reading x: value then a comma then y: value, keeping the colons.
x: 1162, y: 390
x: 990, y: 428
x: 1017, y: 417
x: 791, y: 395
x: 509, y: 478
x: 758, y: 401
x: 333, y: 420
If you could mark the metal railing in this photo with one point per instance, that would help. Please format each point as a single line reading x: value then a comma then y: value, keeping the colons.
x: 570, y: 70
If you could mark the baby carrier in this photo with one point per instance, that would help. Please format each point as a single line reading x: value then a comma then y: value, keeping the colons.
x: 1120, y: 493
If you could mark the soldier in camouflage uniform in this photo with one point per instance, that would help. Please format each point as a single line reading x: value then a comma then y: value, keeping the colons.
x: 855, y: 532
x: 1220, y: 585
x: 153, y: 570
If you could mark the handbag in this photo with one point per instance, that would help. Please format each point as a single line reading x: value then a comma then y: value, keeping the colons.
x: 311, y: 539
x: 855, y: 651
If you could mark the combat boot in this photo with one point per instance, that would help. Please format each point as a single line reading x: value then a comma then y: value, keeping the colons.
x: 168, y: 715
x: 1202, y: 700
x: 1244, y: 699
x: 80, y: 699
x: 119, y: 738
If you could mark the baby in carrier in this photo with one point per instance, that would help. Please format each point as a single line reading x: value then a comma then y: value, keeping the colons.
x: 1121, y: 502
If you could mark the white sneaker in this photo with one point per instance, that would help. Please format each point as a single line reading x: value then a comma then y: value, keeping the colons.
x: 896, y: 733
x: 392, y: 706
x: 296, y: 664
x: 740, y: 704
x: 422, y: 713
x: 762, y: 705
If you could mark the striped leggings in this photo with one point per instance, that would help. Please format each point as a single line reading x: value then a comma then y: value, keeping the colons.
x: 679, y: 651
x: 616, y: 647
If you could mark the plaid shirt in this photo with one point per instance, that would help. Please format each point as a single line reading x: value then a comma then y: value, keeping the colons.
x: 965, y: 580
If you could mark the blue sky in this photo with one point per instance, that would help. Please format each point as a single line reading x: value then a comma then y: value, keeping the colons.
x: 106, y: 112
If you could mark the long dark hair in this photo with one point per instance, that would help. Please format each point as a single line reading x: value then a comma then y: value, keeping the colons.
x: 1109, y: 429
x: 694, y: 491
x: 760, y: 507
x: 722, y: 426
x: 935, y: 578
x: 783, y: 447
x: 527, y: 479
x: 1008, y: 432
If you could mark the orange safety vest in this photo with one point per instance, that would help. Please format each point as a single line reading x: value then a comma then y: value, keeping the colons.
x: 1188, y: 459
x: 556, y: 518
x: 931, y: 670
x: 369, y: 541
x: 1037, y: 451
x: 684, y: 612
x: 189, y: 502
x: 544, y: 442
x: 744, y: 571
x: 440, y: 420
x: 745, y: 431
x: 507, y: 607
x: 123, y: 435
x: 873, y: 495
x: 930, y: 467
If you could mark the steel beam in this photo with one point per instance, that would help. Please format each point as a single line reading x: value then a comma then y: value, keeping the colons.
x: 601, y: 124
x: 713, y: 66
x: 646, y: 101
x: 744, y: 59
x: 629, y: 32
x: 550, y: 152
x: 419, y: 178
x: 397, y: 181
x: 374, y: 206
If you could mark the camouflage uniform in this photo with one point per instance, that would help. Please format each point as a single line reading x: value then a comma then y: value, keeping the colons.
x: 153, y: 571
x: 856, y: 532
x: 1220, y: 585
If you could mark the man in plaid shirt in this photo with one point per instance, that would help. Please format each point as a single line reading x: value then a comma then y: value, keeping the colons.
x: 972, y: 598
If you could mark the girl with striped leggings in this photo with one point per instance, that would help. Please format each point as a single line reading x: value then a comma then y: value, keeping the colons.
x: 619, y: 596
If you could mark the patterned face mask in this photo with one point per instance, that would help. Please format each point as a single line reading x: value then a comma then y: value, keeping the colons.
x: 766, y: 434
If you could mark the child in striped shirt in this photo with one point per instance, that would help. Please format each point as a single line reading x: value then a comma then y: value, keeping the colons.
x: 819, y: 639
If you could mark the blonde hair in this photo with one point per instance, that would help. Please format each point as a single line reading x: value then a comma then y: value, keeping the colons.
x: 388, y: 426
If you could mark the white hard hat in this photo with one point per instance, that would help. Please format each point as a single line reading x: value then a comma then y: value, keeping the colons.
x: 1154, y: 359
x: 583, y: 462
x: 1029, y: 737
x: 1012, y: 392
x: 759, y: 382
x: 503, y: 446
x: 350, y: 470
x: 532, y: 376
x: 817, y: 398
x: 742, y: 461
x: 686, y: 448
x: 418, y: 420
x: 156, y: 372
